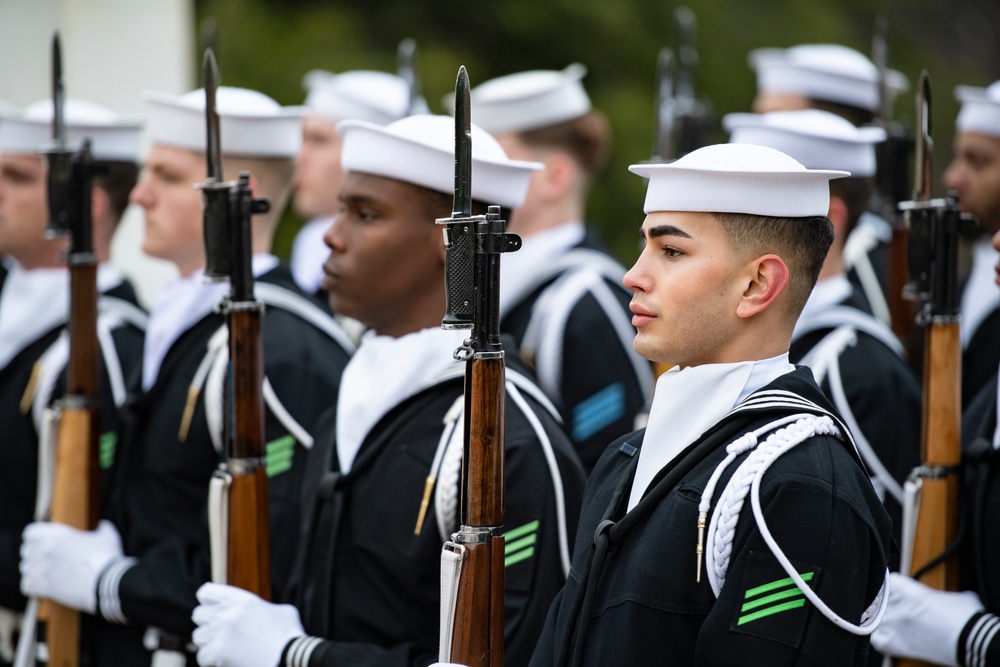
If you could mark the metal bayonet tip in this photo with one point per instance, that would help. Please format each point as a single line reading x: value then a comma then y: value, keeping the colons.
x: 210, y: 78
x: 58, y: 119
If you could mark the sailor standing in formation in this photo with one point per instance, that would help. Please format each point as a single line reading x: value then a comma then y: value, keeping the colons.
x: 34, y: 306
x: 398, y: 423
x: 141, y: 569
x: 561, y: 295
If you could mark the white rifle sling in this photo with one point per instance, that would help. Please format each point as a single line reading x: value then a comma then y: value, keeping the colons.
x: 824, y: 360
x: 452, y: 556
x: 218, y: 524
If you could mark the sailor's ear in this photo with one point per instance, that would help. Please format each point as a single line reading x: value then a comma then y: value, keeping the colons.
x: 767, y: 278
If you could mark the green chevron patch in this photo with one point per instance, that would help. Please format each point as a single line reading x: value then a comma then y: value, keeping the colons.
x: 106, y: 445
x: 519, y: 543
x: 279, y: 454
x: 785, y: 596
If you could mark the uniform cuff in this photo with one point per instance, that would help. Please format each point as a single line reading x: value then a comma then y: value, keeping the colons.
x: 109, y: 604
x: 974, y: 641
x: 298, y: 651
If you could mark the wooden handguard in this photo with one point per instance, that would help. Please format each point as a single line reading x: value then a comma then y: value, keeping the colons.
x: 478, y: 635
x: 248, y: 554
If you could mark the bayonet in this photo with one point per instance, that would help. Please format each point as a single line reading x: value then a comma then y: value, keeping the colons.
x: 406, y: 56
x: 215, y: 192
x: 663, y: 130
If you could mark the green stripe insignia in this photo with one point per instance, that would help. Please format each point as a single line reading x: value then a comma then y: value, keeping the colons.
x: 519, y: 543
x: 279, y: 455
x: 773, y: 598
x: 106, y: 444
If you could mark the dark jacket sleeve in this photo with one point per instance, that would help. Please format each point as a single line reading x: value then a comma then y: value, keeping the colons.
x: 835, y: 536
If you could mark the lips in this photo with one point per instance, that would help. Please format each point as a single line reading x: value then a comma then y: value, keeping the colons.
x: 640, y: 315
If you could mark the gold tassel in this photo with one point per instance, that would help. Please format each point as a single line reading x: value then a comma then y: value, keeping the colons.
x: 428, y: 487
x: 192, y: 400
x: 29, y: 391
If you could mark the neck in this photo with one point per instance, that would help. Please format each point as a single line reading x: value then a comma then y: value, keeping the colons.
x: 834, y: 263
x: 546, y: 217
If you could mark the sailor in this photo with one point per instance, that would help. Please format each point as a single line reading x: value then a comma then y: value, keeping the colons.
x: 562, y: 297
x: 376, y: 97
x: 139, y: 571
x: 838, y: 79
x: 857, y: 360
x: 369, y: 583
x: 739, y: 527
x: 34, y: 307
x: 974, y: 172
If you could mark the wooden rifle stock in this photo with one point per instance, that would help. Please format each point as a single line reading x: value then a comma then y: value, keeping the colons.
x: 75, y: 495
x: 477, y: 638
x: 248, y: 553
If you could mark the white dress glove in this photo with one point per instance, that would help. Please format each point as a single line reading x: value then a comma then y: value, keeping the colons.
x: 922, y: 622
x: 63, y: 564
x: 239, y: 629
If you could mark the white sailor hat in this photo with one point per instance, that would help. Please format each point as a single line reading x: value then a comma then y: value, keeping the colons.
x: 376, y: 97
x: 251, y: 124
x: 738, y: 178
x: 420, y: 150
x: 980, y: 113
x: 528, y: 100
x: 111, y: 137
x: 828, y: 72
x: 817, y: 139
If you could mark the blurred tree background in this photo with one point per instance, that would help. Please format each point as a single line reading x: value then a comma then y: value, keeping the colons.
x: 270, y: 44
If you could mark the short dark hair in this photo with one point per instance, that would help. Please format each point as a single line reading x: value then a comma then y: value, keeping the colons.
x: 801, y: 242
x: 117, y: 179
x: 586, y: 139
x: 856, y: 193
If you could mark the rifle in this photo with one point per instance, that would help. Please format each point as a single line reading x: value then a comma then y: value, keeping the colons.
x: 238, y: 508
x: 892, y: 167
x: 935, y: 226
x: 681, y: 118
x: 472, y: 626
x: 75, y: 494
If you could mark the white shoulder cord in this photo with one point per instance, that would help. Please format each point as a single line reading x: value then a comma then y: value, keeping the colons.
x: 746, y: 479
x: 860, y: 242
x: 446, y: 469
x: 823, y: 359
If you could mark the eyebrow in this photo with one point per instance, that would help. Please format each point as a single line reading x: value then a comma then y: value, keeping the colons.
x: 664, y: 230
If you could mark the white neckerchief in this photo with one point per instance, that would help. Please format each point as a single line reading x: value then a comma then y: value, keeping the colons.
x: 179, y: 306
x: 688, y: 402
x: 981, y: 295
x: 35, y: 302
x: 383, y: 372
x: 518, y: 270
x: 309, y: 252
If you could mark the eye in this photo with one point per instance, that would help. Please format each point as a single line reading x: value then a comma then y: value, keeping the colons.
x: 367, y: 214
x: 670, y: 252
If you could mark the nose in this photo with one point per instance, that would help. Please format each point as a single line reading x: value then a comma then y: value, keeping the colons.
x: 636, y: 278
x: 141, y: 193
x: 332, y: 236
x: 954, y: 176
